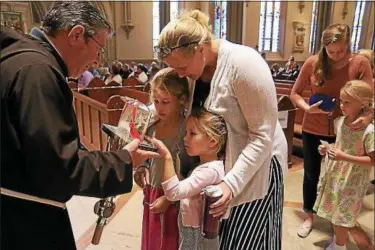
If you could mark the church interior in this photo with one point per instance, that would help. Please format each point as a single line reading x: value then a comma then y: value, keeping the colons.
x: 285, y: 33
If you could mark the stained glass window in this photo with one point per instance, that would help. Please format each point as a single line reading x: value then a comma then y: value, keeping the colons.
x: 220, y: 23
x: 269, y: 26
x: 357, y: 25
x: 313, y: 27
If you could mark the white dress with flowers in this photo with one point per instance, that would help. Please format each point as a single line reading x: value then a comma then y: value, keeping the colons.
x: 343, y: 184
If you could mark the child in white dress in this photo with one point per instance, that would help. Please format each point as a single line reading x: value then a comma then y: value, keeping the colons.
x: 346, y: 171
x: 205, y: 137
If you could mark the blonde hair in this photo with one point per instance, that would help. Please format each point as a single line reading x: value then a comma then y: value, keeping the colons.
x: 332, y: 34
x: 213, y: 126
x: 361, y: 91
x: 168, y: 80
x: 190, y: 27
x: 369, y: 54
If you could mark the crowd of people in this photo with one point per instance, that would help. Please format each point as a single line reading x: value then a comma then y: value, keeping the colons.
x: 215, y: 125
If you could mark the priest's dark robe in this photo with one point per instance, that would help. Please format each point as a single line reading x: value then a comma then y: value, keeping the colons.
x: 40, y: 152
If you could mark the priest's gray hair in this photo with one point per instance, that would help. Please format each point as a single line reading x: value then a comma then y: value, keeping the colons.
x: 66, y: 15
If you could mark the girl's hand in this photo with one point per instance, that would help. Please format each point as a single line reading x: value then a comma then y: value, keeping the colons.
x: 162, y: 149
x: 314, y: 109
x: 336, y: 154
x: 322, y: 150
x: 142, y: 176
x: 219, y: 208
x: 160, y: 205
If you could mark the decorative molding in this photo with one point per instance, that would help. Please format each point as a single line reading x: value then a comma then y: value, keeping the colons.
x: 127, y: 26
x: 344, y: 10
x: 299, y: 37
x: 301, y: 6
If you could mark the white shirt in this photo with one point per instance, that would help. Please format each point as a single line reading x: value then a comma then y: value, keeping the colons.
x: 243, y: 92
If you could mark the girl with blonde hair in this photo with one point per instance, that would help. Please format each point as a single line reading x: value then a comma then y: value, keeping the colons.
x: 324, y: 74
x: 343, y: 183
x: 205, y: 137
x: 169, y: 94
x: 256, y: 151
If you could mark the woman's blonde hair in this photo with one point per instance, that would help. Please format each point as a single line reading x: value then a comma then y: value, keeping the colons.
x: 361, y: 91
x: 332, y: 34
x: 369, y: 54
x: 168, y: 80
x: 213, y: 126
x: 191, y: 27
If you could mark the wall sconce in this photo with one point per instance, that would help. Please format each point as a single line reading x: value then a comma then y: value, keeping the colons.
x: 301, y: 6
x: 344, y: 10
x: 127, y: 27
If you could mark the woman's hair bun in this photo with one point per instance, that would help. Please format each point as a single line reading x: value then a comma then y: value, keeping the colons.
x: 200, y: 17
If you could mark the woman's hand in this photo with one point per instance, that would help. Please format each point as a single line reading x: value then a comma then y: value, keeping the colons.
x: 142, y: 176
x: 220, y: 207
x: 336, y: 154
x: 362, y: 122
x: 314, y: 109
x: 322, y: 150
x: 160, y: 205
x: 162, y: 149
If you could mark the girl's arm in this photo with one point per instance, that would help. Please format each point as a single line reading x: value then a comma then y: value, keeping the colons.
x: 169, y: 170
x: 174, y: 189
x: 366, y: 160
x: 201, y: 177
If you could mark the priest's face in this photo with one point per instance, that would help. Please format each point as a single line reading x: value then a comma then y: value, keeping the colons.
x: 84, y: 49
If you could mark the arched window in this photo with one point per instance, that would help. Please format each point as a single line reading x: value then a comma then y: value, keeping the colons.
x: 220, y: 23
x: 313, y: 27
x: 155, y: 23
x: 269, y: 26
x: 357, y: 25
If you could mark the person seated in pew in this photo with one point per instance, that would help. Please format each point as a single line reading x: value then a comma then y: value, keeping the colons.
x: 114, y: 74
x: 125, y: 71
x: 84, y: 79
x: 140, y: 73
x: 42, y: 166
x: 289, y: 66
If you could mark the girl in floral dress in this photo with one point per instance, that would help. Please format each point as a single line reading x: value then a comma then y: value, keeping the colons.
x: 169, y: 94
x: 345, y: 176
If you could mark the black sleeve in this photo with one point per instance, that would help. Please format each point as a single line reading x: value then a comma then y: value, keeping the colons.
x: 49, y: 139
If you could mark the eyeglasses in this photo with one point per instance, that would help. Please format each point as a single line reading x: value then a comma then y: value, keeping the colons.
x: 101, y: 48
x: 166, y: 51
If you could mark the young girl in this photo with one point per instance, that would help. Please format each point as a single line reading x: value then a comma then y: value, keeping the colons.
x: 169, y: 94
x: 205, y: 137
x: 350, y: 159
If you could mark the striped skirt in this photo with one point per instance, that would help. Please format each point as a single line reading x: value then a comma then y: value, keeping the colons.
x: 258, y: 224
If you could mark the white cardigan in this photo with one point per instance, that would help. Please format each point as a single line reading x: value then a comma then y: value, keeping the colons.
x: 243, y: 92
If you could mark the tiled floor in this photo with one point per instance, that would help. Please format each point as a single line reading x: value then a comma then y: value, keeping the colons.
x: 124, y: 229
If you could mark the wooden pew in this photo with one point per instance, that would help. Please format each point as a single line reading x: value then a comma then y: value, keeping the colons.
x: 91, y: 114
x: 286, y: 106
x: 136, y: 94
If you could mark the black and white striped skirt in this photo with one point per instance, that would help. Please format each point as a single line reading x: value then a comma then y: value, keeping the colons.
x: 257, y: 225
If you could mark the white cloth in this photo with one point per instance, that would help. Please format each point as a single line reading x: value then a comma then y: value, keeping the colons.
x: 116, y: 78
x: 243, y: 92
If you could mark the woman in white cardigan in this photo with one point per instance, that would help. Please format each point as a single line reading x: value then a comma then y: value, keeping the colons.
x: 243, y: 92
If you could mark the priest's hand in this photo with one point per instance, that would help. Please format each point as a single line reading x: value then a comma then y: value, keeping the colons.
x: 139, y: 156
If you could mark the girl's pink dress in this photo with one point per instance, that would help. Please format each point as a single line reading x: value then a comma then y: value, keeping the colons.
x: 160, y: 231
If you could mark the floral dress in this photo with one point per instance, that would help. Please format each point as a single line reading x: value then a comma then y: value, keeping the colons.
x: 343, y: 185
